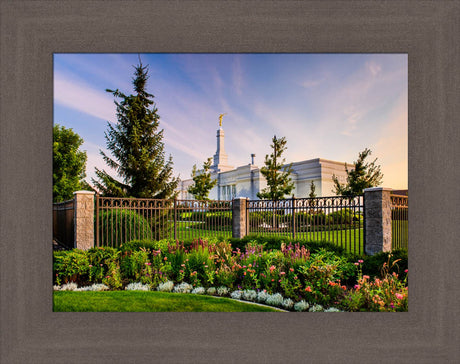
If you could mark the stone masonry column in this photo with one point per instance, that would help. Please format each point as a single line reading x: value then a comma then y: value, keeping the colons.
x: 84, y: 220
x: 240, y: 217
x: 377, y: 214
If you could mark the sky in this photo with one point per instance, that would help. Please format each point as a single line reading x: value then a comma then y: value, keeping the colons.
x: 329, y: 106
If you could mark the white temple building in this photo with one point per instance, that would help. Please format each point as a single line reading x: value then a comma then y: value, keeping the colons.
x: 247, y: 181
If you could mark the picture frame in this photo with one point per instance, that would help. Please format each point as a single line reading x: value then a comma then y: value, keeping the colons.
x: 32, y: 32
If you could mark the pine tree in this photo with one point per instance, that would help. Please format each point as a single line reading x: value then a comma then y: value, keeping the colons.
x: 202, y: 181
x: 137, y: 147
x: 363, y: 175
x: 277, y: 175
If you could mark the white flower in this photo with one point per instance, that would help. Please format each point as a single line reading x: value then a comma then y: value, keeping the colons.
x: 165, y: 287
x: 211, y: 291
x: 183, y: 287
x: 236, y: 295
x: 316, y: 308
x: 69, y: 287
x: 138, y: 286
x: 262, y: 296
x: 301, y: 306
x: 222, y: 291
x: 287, y: 303
x: 274, y: 300
x: 199, y: 290
x: 249, y: 295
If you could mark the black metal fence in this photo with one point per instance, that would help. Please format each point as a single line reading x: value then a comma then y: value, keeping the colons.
x: 119, y: 220
x: 399, y: 222
x: 63, y: 223
x: 339, y: 220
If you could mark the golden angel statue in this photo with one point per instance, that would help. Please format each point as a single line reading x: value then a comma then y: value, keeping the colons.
x: 220, y: 118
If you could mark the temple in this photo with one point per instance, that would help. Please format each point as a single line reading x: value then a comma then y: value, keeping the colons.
x: 247, y: 180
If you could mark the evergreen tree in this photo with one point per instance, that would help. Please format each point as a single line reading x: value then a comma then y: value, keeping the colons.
x: 312, y: 194
x: 363, y: 175
x: 202, y: 181
x: 312, y: 190
x: 69, y: 164
x: 278, y: 178
x: 137, y: 147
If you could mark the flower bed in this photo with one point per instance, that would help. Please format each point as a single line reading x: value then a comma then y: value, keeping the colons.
x: 283, y: 278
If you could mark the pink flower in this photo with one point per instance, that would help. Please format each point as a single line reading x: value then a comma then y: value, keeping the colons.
x: 282, y: 273
x: 182, y: 265
x: 360, y: 261
x: 399, y: 296
x: 272, y: 268
x: 291, y: 269
x: 90, y: 265
x: 366, y: 277
x: 406, y: 271
x: 356, y: 263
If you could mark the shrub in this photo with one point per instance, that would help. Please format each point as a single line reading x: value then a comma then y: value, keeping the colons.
x: 287, y: 303
x: 316, y: 308
x: 372, y: 265
x: 199, y: 290
x: 183, y: 287
x: 249, y: 295
x: 69, y: 287
x: 121, y: 226
x: 236, y: 295
x: 222, y: 291
x: 212, y: 291
x: 262, y: 296
x: 94, y: 287
x: 275, y: 300
x: 301, y: 306
x: 137, y: 286
x: 344, y: 216
x: 71, y: 266
x: 165, y: 287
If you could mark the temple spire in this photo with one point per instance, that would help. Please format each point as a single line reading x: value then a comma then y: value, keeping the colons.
x: 220, y: 158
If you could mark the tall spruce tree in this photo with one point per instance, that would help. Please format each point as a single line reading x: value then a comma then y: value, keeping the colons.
x: 363, y: 175
x: 202, y: 181
x: 137, y: 147
x: 277, y: 175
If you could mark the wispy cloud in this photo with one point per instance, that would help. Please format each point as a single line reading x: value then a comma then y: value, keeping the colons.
x: 82, y: 97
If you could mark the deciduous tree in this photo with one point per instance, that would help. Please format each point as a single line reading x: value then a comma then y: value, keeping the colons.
x: 69, y: 163
x: 202, y: 181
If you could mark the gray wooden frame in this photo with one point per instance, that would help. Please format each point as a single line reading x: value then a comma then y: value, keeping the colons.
x: 30, y: 31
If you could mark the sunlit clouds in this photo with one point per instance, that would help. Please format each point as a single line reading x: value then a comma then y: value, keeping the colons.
x: 328, y: 106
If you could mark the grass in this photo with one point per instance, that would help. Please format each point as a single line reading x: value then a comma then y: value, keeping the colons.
x: 140, y: 301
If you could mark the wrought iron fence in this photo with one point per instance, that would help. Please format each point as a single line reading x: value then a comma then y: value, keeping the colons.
x: 399, y: 222
x: 63, y: 223
x: 119, y: 220
x: 339, y: 220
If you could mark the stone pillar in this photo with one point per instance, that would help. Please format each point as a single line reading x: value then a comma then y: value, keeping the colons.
x: 377, y: 212
x: 84, y: 220
x: 240, y: 217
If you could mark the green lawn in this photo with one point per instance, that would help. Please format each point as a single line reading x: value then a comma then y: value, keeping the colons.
x: 151, y: 301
